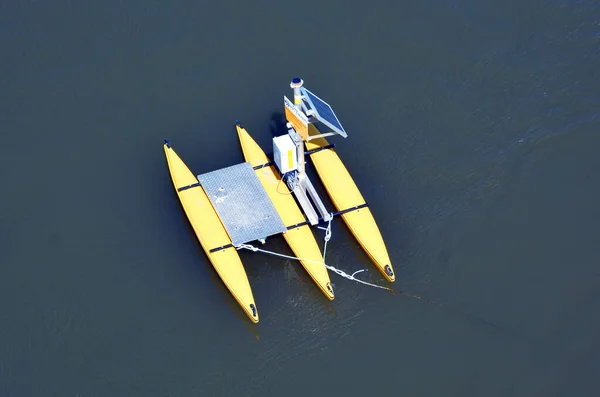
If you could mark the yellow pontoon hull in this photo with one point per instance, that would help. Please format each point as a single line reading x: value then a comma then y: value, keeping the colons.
x: 211, y: 233
x: 300, y: 239
x: 344, y: 194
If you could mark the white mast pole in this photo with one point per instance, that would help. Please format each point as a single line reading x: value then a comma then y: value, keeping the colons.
x: 295, y: 85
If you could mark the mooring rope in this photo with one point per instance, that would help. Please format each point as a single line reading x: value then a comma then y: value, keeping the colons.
x: 333, y: 269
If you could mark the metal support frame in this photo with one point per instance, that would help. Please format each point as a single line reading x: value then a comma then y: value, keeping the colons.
x: 310, y: 138
x: 304, y: 189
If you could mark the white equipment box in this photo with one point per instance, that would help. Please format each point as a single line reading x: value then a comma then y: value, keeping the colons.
x: 284, y: 154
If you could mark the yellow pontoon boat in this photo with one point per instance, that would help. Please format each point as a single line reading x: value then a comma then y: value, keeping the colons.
x: 250, y: 201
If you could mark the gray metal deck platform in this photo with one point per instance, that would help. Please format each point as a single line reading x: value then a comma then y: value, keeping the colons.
x: 242, y: 203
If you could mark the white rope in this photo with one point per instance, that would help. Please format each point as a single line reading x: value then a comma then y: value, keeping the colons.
x: 333, y: 269
x: 327, y: 234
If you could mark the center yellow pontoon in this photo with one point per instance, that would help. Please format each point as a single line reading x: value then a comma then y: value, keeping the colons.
x: 250, y: 201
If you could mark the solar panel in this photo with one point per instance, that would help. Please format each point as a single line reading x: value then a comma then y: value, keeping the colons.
x: 323, y: 112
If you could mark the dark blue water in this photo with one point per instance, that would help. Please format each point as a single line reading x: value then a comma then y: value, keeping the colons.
x: 472, y: 132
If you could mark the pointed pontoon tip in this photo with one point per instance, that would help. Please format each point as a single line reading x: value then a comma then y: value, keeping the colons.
x: 237, y: 122
x: 168, y: 143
